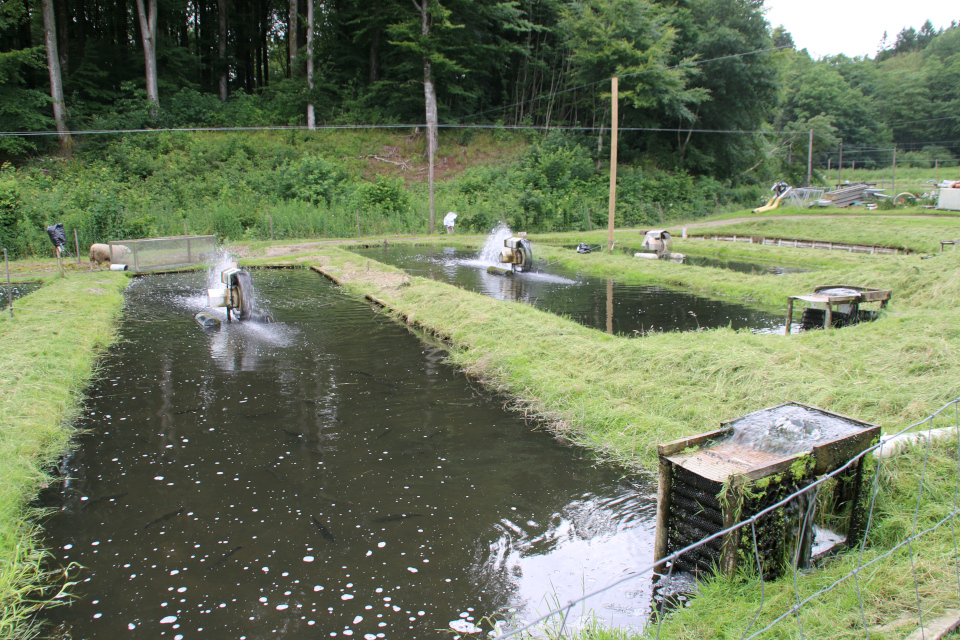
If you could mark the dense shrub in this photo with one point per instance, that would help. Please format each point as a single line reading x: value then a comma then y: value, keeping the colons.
x: 233, y: 184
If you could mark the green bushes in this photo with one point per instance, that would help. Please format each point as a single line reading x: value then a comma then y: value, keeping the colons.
x: 230, y: 184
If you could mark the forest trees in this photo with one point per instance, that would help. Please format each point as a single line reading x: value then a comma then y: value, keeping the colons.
x: 701, y: 89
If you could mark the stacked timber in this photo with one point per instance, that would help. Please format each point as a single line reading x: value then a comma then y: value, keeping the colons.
x: 848, y: 195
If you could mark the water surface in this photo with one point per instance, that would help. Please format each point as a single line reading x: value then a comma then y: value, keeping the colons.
x: 327, y: 475
x: 15, y: 291
x: 601, y: 303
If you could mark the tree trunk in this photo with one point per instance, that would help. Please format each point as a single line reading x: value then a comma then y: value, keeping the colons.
x: 292, y: 37
x: 62, y: 47
x: 81, y: 39
x: 148, y: 32
x: 53, y: 65
x: 430, y: 99
x: 375, y: 56
x: 222, y: 47
x: 311, y: 118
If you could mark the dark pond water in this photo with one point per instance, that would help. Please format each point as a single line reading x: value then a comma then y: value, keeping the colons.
x: 601, y: 303
x: 15, y: 291
x: 327, y: 475
x: 740, y: 266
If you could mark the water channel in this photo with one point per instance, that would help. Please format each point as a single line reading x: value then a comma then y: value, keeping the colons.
x: 327, y: 475
x: 15, y: 291
x: 601, y: 303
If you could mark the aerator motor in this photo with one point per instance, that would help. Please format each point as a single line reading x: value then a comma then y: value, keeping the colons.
x: 518, y: 254
x: 237, y: 297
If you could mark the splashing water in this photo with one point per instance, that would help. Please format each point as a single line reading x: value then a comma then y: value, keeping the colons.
x: 490, y: 254
x: 223, y: 260
x: 788, y: 430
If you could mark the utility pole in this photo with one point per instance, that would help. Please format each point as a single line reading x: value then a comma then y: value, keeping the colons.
x: 810, y: 160
x: 614, y: 93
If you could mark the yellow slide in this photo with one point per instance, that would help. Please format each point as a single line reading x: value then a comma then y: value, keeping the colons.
x: 772, y: 204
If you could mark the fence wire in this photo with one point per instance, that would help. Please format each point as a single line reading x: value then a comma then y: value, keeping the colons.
x: 924, y: 438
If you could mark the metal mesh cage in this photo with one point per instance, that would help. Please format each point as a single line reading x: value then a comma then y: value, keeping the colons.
x: 156, y: 254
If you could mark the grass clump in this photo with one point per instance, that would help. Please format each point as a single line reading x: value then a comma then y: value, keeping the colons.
x: 48, y: 352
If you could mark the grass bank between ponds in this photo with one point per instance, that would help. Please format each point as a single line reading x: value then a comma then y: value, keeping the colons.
x: 621, y: 396
x: 48, y: 354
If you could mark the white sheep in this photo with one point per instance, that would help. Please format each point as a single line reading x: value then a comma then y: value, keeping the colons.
x: 101, y: 253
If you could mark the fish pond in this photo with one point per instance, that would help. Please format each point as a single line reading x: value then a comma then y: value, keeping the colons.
x: 601, y: 303
x: 326, y: 475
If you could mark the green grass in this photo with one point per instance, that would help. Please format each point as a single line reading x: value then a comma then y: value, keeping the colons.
x: 47, y: 358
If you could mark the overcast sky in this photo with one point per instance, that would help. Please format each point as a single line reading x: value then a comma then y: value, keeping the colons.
x: 855, y: 27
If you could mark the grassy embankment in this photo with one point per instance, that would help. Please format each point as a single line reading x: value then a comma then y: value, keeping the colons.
x: 47, y: 358
x: 920, y: 231
x: 621, y: 396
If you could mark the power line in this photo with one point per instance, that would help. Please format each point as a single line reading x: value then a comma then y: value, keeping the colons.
x: 517, y: 127
x: 924, y: 120
x: 209, y: 129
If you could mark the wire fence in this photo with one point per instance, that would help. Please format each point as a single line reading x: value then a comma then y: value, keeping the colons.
x: 916, y: 437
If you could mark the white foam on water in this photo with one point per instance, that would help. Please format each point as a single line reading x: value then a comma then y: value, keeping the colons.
x: 788, y: 429
x: 490, y: 253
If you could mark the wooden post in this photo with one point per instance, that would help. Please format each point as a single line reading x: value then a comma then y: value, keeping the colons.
x: 828, y: 317
x: 936, y: 168
x: 271, y: 225
x: 840, y: 167
x: 829, y: 167
x: 136, y: 262
x: 6, y: 264
x: 76, y: 240
x: 664, y: 478
x: 614, y: 93
x: 853, y: 174
x: 731, y: 511
x: 431, y: 218
x: 660, y: 209
x: 810, y: 159
x: 857, y: 507
x: 789, y: 316
x: 63, y: 274
x: 893, y: 178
